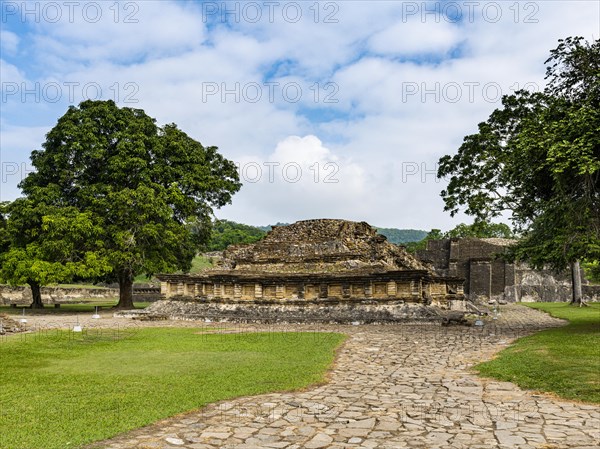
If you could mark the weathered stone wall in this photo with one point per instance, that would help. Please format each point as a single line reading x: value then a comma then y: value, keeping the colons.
x: 50, y: 295
x: 542, y: 285
x: 488, y: 277
x: 591, y: 292
x: 319, y: 246
x: 365, y: 311
x: 316, y: 271
x: 480, y: 279
x: 438, y: 255
x: 474, y: 260
x: 409, y: 286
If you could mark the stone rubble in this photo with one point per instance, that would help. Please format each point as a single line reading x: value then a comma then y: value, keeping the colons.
x: 10, y: 326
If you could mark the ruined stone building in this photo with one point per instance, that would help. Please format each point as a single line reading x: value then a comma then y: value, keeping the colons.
x: 487, y: 276
x: 319, y: 268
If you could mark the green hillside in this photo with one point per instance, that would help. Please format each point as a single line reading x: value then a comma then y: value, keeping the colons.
x: 225, y: 233
x: 401, y: 236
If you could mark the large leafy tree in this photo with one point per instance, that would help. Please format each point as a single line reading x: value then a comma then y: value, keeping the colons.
x: 141, y: 183
x: 44, y: 244
x: 539, y: 157
x: 4, y: 239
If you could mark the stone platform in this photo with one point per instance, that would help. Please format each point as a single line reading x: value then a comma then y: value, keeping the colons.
x: 290, y: 311
x: 319, y: 262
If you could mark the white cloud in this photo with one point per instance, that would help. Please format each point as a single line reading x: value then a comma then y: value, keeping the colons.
x: 300, y: 177
x: 415, y: 37
x: 131, y: 31
x: 376, y: 53
x: 9, y: 73
x: 9, y: 41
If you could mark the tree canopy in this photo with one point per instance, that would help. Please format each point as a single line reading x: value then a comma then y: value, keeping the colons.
x: 139, y: 183
x: 538, y: 156
x: 480, y: 229
x: 225, y: 233
x: 44, y: 244
x: 4, y: 238
x: 401, y: 236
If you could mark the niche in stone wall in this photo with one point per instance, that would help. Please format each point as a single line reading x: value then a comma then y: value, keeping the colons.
x: 334, y: 291
x: 248, y: 291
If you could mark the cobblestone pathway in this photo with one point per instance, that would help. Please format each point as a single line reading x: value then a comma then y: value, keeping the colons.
x: 392, y: 387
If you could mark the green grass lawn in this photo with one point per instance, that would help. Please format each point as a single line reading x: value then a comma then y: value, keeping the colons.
x: 88, y: 307
x: 61, y: 390
x: 199, y: 264
x: 564, y: 361
x: 90, y: 286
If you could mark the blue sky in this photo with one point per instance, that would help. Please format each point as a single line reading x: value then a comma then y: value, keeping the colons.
x: 331, y: 109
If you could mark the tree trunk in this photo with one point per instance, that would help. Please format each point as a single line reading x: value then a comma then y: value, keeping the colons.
x: 125, y: 290
x: 36, y: 293
x: 576, y: 278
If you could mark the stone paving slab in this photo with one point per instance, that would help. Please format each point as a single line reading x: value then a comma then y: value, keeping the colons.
x: 393, y: 386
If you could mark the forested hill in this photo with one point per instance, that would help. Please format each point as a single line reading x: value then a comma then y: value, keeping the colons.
x: 400, y: 236
x: 227, y: 232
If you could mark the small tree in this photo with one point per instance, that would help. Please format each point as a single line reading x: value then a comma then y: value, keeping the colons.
x: 45, y: 245
x: 140, y: 183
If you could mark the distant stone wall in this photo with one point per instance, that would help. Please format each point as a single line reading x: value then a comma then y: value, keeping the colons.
x: 488, y: 277
x: 591, y: 292
x: 542, y: 286
x: 51, y: 295
x: 473, y: 260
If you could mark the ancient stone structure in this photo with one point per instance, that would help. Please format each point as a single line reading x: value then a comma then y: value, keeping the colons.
x: 343, y: 267
x: 488, y: 277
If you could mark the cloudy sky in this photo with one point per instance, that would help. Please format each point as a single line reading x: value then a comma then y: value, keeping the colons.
x: 330, y: 109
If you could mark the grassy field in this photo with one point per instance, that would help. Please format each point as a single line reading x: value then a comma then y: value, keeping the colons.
x: 61, y: 390
x: 199, y: 263
x: 564, y: 361
x: 88, y: 307
x: 90, y: 286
